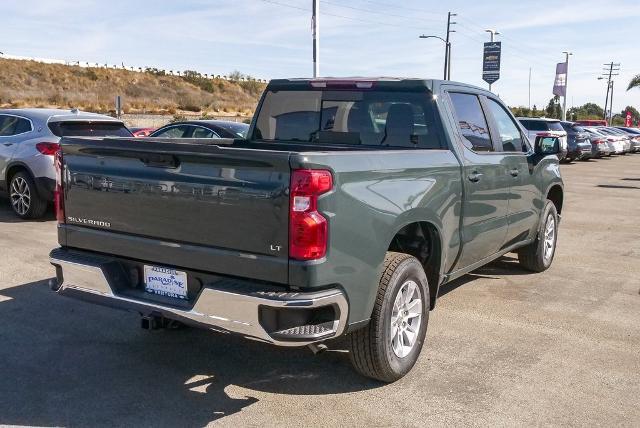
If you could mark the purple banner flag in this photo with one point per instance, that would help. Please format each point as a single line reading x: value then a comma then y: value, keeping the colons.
x: 560, y: 84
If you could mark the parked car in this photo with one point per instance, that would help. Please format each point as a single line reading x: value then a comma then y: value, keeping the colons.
x: 141, y: 132
x: 634, y: 137
x: 623, y: 138
x: 536, y: 126
x: 202, y: 129
x: 616, y: 146
x: 29, y: 139
x: 349, y: 205
x: 578, y: 142
x: 600, y: 147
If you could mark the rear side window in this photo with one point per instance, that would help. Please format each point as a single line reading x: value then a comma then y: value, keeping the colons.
x: 371, y: 118
x: 89, y: 129
x: 13, y: 125
x: 199, y: 132
x: 471, y: 121
x: 178, y: 131
x: 509, y: 133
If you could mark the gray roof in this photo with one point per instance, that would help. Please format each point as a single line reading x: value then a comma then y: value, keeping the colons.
x: 56, y: 115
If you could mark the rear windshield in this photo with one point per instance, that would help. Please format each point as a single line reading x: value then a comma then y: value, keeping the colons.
x: 555, y: 126
x: 534, y: 125
x: 89, y: 129
x: 372, y: 118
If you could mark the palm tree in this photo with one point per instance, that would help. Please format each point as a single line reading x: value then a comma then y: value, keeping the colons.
x: 634, y: 83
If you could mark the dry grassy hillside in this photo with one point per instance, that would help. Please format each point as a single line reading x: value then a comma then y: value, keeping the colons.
x: 34, y: 84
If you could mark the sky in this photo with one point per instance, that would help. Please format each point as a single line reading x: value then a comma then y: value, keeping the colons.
x: 272, y: 39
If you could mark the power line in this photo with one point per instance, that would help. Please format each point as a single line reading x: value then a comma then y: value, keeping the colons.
x: 367, y: 21
x: 412, y: 18
x: 395, y: 6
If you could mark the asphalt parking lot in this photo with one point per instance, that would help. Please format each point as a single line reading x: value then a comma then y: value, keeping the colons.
x: 504, y: 347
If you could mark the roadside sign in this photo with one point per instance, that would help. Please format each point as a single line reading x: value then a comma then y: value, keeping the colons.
x: 628, y: 120
x: 118, y: 106
x: 491, y: 62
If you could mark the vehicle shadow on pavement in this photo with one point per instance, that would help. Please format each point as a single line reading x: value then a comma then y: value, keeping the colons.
x: 506, y: 265
x: 7, y: 215
x: 64, y: 362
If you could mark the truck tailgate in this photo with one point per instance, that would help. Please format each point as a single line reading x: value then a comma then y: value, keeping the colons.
x: 199, y: 206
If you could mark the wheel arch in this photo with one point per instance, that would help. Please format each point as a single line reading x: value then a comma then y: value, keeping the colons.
x: 556, y: 195
x: 14, y: 168
x: 423, y: 240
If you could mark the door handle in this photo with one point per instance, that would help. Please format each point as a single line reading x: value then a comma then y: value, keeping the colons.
x: 474, y: 177
x: 7, y: 144
x: 514, y: 172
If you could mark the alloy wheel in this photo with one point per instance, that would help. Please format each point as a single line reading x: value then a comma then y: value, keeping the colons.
x: 406, y: 318
x: 549, y: 238
x: 20, y: 195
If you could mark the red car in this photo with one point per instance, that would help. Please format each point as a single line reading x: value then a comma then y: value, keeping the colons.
x: 141, y: 132
x: 592, y: 122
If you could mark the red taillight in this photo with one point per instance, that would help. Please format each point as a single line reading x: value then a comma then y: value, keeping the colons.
x: 48, y: 149
x: 307, y: 227
x: 58, y: 193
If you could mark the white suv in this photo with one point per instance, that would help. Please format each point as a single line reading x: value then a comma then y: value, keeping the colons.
x: 551, y: 127
x: 29, y: 140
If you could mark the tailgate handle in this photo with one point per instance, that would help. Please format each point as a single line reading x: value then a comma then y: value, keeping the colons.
x: 160, y: 161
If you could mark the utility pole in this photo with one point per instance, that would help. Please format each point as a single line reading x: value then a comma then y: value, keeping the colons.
x: 566, y: 80
x: 613, y: 69
x: 529, y: 89
x: 493, y: 33
x: 447, y: 47
x: 611, y: 106
x: 316, y: 37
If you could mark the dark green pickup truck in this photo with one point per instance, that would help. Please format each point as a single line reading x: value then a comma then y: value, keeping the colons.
x: 344, y: 211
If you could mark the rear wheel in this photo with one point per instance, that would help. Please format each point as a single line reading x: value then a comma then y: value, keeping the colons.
x: 538, y: 255
x: 24, y: 198
x: 389, y: 346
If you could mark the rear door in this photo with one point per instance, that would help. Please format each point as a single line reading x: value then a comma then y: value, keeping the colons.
x: 11, y: 130
x: 523, y: 193
x: 484, y: 214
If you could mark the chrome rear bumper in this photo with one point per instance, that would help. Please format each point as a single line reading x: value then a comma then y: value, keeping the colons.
x: 88, y: 278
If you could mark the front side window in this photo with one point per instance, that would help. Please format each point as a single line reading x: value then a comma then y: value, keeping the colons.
x: 180, y: 131
x: 372, y: 118
x: 471, y: 121
x: 509, y: 133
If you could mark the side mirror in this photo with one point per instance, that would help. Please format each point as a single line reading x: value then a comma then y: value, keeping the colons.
x: 547, y: 145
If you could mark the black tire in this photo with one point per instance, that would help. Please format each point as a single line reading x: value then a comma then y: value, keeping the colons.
x: 371, y: 351
x: 24, y: 198
x: 532, y: 257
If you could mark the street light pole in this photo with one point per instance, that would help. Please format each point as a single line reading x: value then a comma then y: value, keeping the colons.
x: 316, y: 37
x: 446, y: 52
x: 493, y: 33
x: 566, y: 79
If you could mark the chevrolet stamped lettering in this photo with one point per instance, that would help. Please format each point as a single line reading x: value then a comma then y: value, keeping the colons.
x: 343, y: 212
x: 88, y: 221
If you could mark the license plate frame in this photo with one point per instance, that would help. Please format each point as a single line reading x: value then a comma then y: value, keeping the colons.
x: 166, y: 282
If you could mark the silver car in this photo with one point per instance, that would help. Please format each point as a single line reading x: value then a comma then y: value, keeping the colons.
x: 29, y: 140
